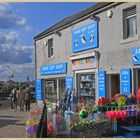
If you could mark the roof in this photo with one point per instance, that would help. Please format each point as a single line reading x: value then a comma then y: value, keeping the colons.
x: 68, y: 20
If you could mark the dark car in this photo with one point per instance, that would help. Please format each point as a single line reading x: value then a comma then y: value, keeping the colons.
x: 32, y: 91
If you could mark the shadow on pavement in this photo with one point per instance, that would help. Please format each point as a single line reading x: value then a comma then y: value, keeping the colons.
x: 5, y: 122
x: 7, y: 116
x: 18, y: 124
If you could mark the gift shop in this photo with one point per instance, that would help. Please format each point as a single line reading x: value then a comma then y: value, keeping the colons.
x: 84, y: 64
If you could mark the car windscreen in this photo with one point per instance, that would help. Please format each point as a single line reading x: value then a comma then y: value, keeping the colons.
x: 32, y: 89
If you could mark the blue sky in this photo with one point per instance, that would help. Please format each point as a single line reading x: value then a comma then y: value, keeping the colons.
x: 19, y: 23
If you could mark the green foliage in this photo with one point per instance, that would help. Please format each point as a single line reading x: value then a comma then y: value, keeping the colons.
x: 121, y: 101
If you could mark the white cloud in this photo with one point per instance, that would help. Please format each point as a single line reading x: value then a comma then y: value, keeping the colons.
x: 21, y: 21
x: 28, y: 28
x: 9, y: 17
x: 14, y: 56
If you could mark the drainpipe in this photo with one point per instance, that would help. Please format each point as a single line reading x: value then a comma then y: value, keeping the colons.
x: 57, y: 90
x: 97, y: 61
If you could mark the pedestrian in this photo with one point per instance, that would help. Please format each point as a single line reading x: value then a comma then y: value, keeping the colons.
x: 14, y: 99
x: 27, y: 99
x: 72, y: 100
x: 21, y: 98
x: 138, y: 95
x: 131, y: 99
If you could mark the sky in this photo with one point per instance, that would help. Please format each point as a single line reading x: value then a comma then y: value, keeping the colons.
x: 19, y: 23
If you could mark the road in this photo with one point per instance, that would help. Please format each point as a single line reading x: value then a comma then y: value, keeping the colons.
x: 12, y: 124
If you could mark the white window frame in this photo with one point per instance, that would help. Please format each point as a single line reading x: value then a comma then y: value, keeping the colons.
x: 125, y: 25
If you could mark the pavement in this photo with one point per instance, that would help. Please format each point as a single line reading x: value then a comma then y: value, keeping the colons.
x: 12, y: 123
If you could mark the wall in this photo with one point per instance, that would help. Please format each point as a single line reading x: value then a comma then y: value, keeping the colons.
x: 62, y: 52
x: 116, y: 51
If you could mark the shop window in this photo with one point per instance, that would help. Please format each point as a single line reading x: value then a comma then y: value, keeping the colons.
x: 130, y: 22
x: 50, y: 48
x: 51, y: 90
x: 87, y: 87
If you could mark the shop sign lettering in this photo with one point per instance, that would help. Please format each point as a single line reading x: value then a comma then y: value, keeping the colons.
x: 69, y: 83
x: 135, y: 52
x: 38, y: 89
x: 102, y: 84
x: 85, y: 37
x: 125, y: 81
x: 60, y: 68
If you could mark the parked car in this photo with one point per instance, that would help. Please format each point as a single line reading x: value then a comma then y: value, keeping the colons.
x: 32, y: 91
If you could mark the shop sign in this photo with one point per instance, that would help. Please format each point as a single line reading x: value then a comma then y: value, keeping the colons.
x: 84, y: 63
x: 125, y: 82
x: 38, y: 89
x: 60, y: 68
x: 85, y: 37
x: 69, y: 83
x: 135, y: 56
x: 102, y: 84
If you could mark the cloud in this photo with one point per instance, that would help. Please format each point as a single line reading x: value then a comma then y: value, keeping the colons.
x: 7, y: 38
x: 28, y: 29
x: 14, y: 56
x: 8, y: 17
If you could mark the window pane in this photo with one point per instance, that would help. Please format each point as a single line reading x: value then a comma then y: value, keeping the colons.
x: 131, y: 26
x: 49, y: 54
x: 51, y: 51
x: 50, y: 42
x: 51, y: 90
x: 50, y: 48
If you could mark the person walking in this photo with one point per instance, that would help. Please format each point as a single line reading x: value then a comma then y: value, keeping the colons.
x: 14, y: 99
x: 138, y: 94
x: 27, y: 99
x: 21, y: 97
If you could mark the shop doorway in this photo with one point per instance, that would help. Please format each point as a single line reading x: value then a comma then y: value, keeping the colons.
x: 136, y: 79
x: 115, y: 84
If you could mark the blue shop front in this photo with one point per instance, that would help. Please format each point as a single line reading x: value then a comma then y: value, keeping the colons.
x: 52, y: 87
x: 84, y: 60
x: 126, y: 81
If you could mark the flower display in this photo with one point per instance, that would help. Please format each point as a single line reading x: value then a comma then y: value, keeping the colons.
x: 115, y: 114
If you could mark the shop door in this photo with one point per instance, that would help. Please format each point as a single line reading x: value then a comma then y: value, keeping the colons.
x: 138, y: 77
x: 115, y: 84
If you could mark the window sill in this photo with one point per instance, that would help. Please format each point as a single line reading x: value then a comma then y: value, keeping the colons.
x: 128, y: 40
x: 50, y: 58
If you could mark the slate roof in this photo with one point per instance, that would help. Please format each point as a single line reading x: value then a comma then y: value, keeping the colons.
x: 68, y: 20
